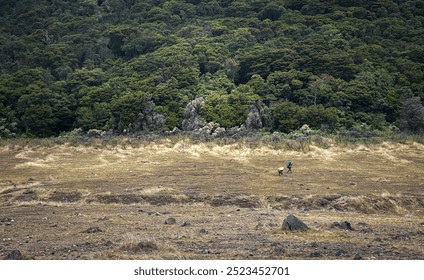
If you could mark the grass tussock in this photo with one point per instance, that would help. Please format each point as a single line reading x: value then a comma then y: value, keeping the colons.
x: 134, y: 244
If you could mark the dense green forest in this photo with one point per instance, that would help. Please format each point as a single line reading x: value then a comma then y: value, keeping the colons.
x: 131, y: 66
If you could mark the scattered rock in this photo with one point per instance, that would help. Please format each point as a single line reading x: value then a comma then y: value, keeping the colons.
x: 402, y: 236
x: 170, y: 221
x: 158, y: 213
x: 357, y: 257
x: 340, y: 252
x: 6, y: 220
x: 315, y: 255
x: 14, y: 255
x: 292, y: 223
x: 92, y: 230
x: 342, y: 225
x: 94, y: 133
x: 203, y: 231
x: 185, y: 224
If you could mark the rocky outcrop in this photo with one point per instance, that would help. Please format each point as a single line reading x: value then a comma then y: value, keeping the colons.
x: 192, y: 119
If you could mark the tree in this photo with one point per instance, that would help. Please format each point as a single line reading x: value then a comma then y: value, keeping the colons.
x: 95, y: 116
x: 362, y: 57
x: 229, y: 110
x: 43, y: 113
x: 413, y: 117
x: 135, y: 112
x: 272, y: 11
x: 287, y: 116
x: 317, y: 116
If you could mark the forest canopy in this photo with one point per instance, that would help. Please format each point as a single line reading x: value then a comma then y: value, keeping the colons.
x: 135, y: 66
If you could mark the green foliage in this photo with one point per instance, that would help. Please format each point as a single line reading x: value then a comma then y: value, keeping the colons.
x: 134, y: 65
x: 413, y: 116
x: 229, y: 110
x: 129, y: 110
x: 43, y: 113
x: 96, y: 116
x: 287, y: 116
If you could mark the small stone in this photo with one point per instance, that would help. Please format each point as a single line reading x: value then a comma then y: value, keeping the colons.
x: 342, y: 225
x: 14, y: 255
x: 170, y: 221
x: 6, y: 219
x: 316, y: 255
x: 340, y: 252
x: 203, y: 231
x: 357, y: 257
x: 92, y: 230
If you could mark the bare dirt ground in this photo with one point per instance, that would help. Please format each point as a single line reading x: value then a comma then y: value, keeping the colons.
x: 205, y: 201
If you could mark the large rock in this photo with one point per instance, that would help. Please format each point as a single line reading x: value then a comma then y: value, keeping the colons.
x: 192, y: 119
x: 292, y: 223
x: 253, y: 120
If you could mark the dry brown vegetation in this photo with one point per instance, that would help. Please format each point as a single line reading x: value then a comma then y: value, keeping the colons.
x: 112, y: 201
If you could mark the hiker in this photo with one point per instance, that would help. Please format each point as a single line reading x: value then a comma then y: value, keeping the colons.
x: 280, y: 170
x: 289, y: 165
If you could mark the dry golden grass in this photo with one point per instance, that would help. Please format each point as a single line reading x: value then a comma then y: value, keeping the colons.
x: 228, y: 200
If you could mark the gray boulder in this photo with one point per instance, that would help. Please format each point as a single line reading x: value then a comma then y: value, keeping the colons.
x: 192, y: 119
x: 292, y: 223
x: 170, y: 221
x: 254, y: 120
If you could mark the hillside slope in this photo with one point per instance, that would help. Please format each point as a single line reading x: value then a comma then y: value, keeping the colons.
x: 133, y: 65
